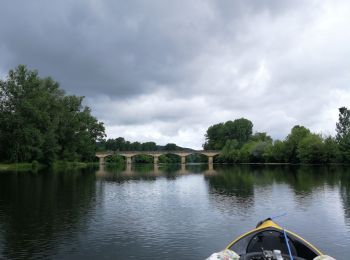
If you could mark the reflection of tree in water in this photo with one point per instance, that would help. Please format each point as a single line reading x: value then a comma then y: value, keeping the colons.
x: 38, y: 211
x: 147, y: 172
x: 170, y: 171
x: 345, y: 193
x: 111, y: 173
x: 232, y: 189
x: 307, y: 179
x: 239, y: 182
x: 197, y: 168
x: 304, y: 180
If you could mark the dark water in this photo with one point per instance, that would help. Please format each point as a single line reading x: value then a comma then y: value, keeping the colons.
x: 167, y: 213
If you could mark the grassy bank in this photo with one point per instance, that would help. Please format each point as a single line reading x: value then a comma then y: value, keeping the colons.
x: 72, y: 165
x: 34, y: 166
x: 20, y: 166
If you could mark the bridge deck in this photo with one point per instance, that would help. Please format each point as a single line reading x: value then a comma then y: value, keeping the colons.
x: 180, y: 153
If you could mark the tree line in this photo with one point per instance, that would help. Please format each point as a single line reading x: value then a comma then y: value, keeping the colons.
x: 39, y: 122
x: 238, y: 144
x: 120, y: 144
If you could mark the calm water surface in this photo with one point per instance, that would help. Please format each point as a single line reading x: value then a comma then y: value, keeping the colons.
x: 167, y: 213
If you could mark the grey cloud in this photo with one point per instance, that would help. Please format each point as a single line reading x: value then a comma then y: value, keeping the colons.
x: 168, y: 69
x: 115, y: 47
x: 105, y: 47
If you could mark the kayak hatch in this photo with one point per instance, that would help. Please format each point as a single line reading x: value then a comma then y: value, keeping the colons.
x: 268, y: 236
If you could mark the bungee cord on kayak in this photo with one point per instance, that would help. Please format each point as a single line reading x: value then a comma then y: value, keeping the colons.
x: 287, y: 243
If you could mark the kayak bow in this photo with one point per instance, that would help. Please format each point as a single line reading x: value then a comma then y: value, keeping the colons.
x: 268, y: 238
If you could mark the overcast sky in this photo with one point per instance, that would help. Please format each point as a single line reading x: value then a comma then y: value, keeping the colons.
x: 165, y: 70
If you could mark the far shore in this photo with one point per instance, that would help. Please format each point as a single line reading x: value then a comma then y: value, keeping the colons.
x: 35, y: 166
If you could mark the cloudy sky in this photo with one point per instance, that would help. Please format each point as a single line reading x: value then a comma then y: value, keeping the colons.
x: 164, y: 70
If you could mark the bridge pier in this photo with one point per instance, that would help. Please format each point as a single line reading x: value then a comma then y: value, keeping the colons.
x: 128, y: 159
x: 210, y: 160
x: 183, y: 167
x: 183, y: 159
x: 101, y: 168
x: 102, y: 160
x: 155, y: 159
x: 155, y: 169
x: 128, y: 168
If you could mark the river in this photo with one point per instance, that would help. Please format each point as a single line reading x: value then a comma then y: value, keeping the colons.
x: 167, y: 212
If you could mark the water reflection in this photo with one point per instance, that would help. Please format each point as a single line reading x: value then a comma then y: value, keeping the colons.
x: 39, y: 212
x: 345, y: 194
x: 150, y: 172
x: 231, y: 190
x: 236, y: 181
x: 240, y: 180
x: 169, y: 211
x: 235, y: 188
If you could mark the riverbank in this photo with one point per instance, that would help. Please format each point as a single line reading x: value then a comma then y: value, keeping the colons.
x: 34, y: 166
x: 75, y: 165
x: 20, y: 166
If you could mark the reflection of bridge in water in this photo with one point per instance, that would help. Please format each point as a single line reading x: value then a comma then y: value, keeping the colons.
x: 154, y: 172
x: 155, y: 154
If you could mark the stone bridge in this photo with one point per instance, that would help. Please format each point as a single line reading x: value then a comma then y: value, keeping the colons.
x: 129, y: 154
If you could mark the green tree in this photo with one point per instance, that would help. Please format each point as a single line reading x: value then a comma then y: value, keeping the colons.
x: 115, y: 159
x: 230, y: 152
x: 149, y: 146
x: 240, y: 129
x: 261, y: 136
x: 101, y: 145
x: 214, y: 137
x: 245, y: 152
x: 260, y: 151
x: 120, y: 144
x: 164, y: 159
x: 28, y: 112
x: 331, y: 150
x: 343, y: 124
x: 278, y: 152
x: 78, y: 130
x: 311, y: 149
x: 343, y: 133
x: 143, y: 158
x: 136, y: 146
x: 171, y: 147
x: 39, y: 122
x: 254, y: 151
x: 217, y: 135
x: 292, y: 142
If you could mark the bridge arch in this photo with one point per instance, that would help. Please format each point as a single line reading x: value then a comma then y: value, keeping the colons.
x: 183, y: 154
x: 169, y: 157
x: 142, y: 158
